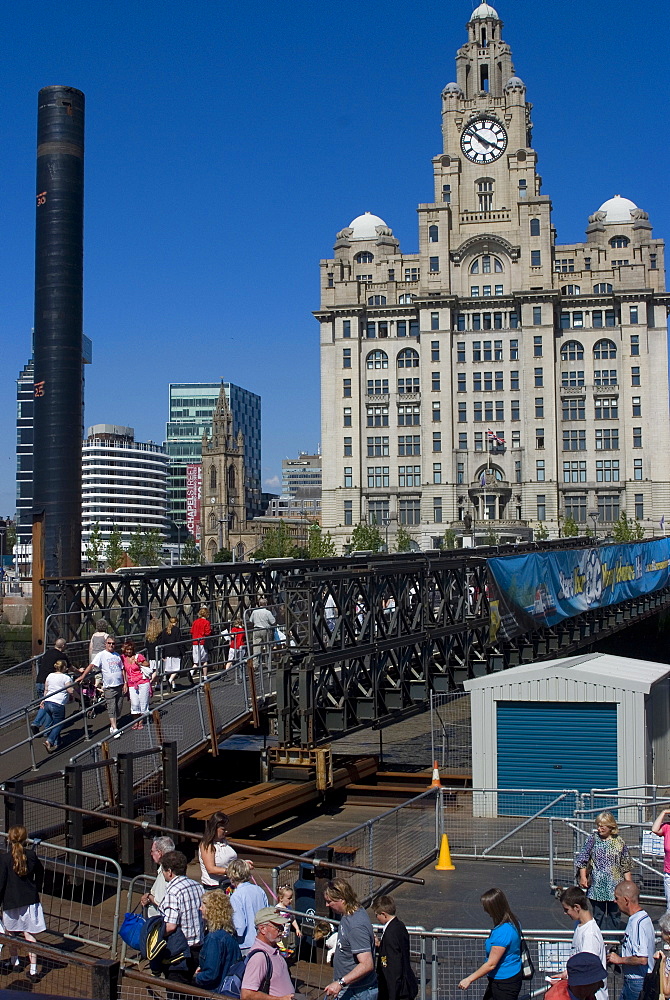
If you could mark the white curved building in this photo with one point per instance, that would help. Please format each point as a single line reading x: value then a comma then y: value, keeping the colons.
x: 124, y: 483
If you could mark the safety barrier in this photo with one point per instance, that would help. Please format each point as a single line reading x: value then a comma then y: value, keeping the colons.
x: 451, y: 731
x: 62, y: 972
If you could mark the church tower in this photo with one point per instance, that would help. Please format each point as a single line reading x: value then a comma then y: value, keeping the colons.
x: 224, y: 512
x: 494, y: 375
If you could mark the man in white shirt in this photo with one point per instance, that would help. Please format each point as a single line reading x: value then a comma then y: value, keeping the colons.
x: 637, y: 951
x: 587, y: 935
x: 263, y: 623
x: 108, y: 662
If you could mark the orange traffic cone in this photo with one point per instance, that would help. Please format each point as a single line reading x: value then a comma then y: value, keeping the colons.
x: 444, y: 862
x: 436, y: 783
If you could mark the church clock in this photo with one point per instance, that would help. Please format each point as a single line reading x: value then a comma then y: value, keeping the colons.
x: 483, y: 140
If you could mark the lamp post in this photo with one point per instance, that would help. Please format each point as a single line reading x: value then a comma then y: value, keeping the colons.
x: 595, y: 517
x: 387, y: 520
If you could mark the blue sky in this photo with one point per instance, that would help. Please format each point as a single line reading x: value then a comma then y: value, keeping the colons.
x: 226, y: 145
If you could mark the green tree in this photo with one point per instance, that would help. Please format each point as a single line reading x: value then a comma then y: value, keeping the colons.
x: 320, y: 546
x: 223, y: 555
x: 10, y: 537
x: 95, y: 547
x: 366, y: 538
x: 114, y: 552
x: 276, y: 544
x: 136, y: 548
x: 403, y: 540
x: 490, y: 538
x: 190, y: 553
x: 626, y: 530
x: 570, y: 527
x: 152, y: 554
x: 449, y: 539
x: 541, y: 534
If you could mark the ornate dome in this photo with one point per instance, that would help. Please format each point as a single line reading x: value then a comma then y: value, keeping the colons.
x: 618, y: 209
x: 452, y: 88
x: 364, y: 227
x: 484, y: 10
x: 513, y: 82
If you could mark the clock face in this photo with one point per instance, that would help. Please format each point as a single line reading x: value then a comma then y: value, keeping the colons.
x: 484, y: 140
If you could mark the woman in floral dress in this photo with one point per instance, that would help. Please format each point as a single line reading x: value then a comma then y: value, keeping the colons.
x: 609, y: 861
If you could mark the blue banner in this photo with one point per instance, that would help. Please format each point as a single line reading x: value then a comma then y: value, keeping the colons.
x: 541, y: 588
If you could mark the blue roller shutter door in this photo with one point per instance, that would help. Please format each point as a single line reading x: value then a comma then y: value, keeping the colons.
x: 554, y: 745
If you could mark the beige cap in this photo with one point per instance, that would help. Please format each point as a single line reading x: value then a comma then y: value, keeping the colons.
x: 270, y: 915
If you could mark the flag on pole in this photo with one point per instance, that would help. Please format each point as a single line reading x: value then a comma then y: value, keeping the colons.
x: 662, y: 522
x: 482, y: 479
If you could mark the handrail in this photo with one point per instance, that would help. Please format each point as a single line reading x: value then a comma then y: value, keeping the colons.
x: 530, y: 819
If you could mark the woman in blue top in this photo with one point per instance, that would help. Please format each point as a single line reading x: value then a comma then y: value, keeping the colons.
x: 220, y: 950
x: 503, y: 951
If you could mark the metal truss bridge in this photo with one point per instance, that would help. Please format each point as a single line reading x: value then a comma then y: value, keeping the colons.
x: 369, y: 635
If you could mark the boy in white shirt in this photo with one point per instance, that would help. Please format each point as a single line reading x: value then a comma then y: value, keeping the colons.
x: 587, y: 935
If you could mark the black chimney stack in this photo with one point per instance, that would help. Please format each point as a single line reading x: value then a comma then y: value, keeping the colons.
x: 59, y: 273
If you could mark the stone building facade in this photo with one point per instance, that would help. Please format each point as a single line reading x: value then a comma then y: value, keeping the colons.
x: 223, y: 515
x: 496, y: 372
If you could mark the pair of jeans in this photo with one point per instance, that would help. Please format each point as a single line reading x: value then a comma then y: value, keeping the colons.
x: 39, y: 689
x: 367, y: 993
x: 55, y: 716
x: 632, y: 987
x: 606, y: 914
x: 666, y: 886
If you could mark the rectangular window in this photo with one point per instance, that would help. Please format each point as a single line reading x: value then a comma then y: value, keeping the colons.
x: 639, y: 506
x: 411, y: 274
x: 499, y: 291
x: 514, y: 321
x: 605, y: 376
x: 607, y: 408
x: 378, y: 447
x: 446, y: 193
x: 479, y: 441
x: 348, y: 513
x: 572, y: 379
x: 574, y: 440
x: 607, y: 439
x: 517, y: 471
x: 499, y: 382
x: 437, y: 472
x: 539, y: 407
x: 346, y: 416
x: 460, y: 321
x: 437, y: 510
x: 488, y: 410
x: 346, y: 328
x: 516, y: 439
x: 434, y: 264
x: 652, y: 261
x: 564, y: 321
x: 477, y: 381
x: 607, y: 470
x: 435, y: 349
x: 637, y: 468
x: 610, y: 318
x: 575, y: 507
x: 348, y: 477
x: 435, y: 381
x: 435, y: 324
x: 331, y: 282
x: 409, y: 511
x: 539, y: 470
x: 486, y: 291
x: 514, y: 380
x: 500, y: 411
x: 409, y: 415
x: 409, y: 476
x: 476, y: 321
x: 347, y: 447
x: 414, y: 328
x: 577, y: 319
x: 377, y: 416
x: 378, y: 476
x: 488, y: 381
x: 537, y: 347
x: 633, y: 315
x: 537, y: 315
x: 477, y: 412
x: 514, y: 350
x: 460, y: 473
x: 437, y: 441
x: 635, y: 344
x: 487, y: 355
x: 377, y: 387
x: 370, y: 331
x: 401, y: 328
x: 346, y: 387
x: 346, y: 357
x: 574, y: 408
x: 463, y: 441
x: 574, y: 472
x: 498, y: 325
x: 497, y: 350
x: 460, y: 382
x: 408, y: 386
x: 637, y: 437
x: 587, y: 263
x: 474, y: 291
x: 515, y: 408
x: 460, y: 350
x: 608, y: 507
x: 535, y: 258
x: 391, y: 276
x: 635, y: 375
x: 539, y: 378
x: 597, y: 318
x: 409, y: 444
x: 378, y: 511
x: 541, y: 507
x: 437, y: 412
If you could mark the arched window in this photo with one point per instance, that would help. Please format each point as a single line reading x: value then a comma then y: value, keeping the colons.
x: 433, y: 234
x: 404, y: 300
x: 534, y: 227
x: 211, y: 550
x: 408, y: 359
x: 211, y: 521
x: 486, y: 264
x: 604, y: 350
x: 500, y: 477
x: 571, y: 290
x: 231, y: 521
x: 619, y: 242
x: 231, y: 477
x: 212, y: 477
x: 376, y: 300
x: 377, y: 359
x: 604, y: 288
x: 364, y: 257
x: 572, y: 350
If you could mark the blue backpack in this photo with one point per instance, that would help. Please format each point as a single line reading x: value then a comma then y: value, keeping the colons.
x: 231, y: 984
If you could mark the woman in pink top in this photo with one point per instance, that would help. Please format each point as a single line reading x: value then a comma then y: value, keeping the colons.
x: 138, y: 677
x: 661, y: 828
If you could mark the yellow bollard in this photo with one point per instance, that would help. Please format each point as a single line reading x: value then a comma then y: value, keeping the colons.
x: 444, y: 862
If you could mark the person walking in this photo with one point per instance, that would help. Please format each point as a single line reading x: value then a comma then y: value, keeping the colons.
x: 220, y: 949
x: 200, y: 629
x: 45, y: 664
x: 21, y: 873
x: 610, y: 862
x: 137, y: 675
x: 503, y: 951
x: 661, y: 828
x: 159, y: 847
x: 97, y: 641
x: 154, y: 629
x: 170, y: 641
x: 587, y: 935
x: 639, y: 943
x: 263, y: 624
x: 58, y: 687
x: 215, y: 853
x: 246, y: 899
x: 266, y: 975
x: 237, y: 650
x: 109, y: 663
x: 395, y: 976
x: 353, y: 962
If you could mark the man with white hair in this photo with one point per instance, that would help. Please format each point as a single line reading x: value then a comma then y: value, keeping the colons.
x: 159, y: 847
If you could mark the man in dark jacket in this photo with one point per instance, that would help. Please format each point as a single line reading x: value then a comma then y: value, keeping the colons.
x: 396, y: 979
x: 46, y: 664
